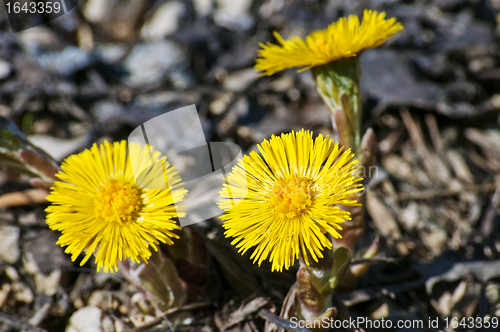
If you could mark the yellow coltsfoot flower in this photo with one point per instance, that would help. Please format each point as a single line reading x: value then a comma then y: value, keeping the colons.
x: 102, y: 209
x: 290, y: 203
x: 342, y: 39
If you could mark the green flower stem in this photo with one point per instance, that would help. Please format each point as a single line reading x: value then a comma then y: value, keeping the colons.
x: 158, y: 279
x: 316, y: 284
x: 337, y: 83
x: 175, y: 274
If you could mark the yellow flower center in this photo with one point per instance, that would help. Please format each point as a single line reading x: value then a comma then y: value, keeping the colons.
x: 291, y: 197
x: 117, y: 201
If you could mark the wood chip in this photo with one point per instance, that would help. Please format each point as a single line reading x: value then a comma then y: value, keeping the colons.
x: 26, y: 197
x: 382, y: 217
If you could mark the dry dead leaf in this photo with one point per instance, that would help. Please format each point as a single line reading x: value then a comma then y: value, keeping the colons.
x: 241, y: 313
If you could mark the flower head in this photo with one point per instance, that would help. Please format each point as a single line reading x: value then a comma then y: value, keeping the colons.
x: 344, y: 38
x: 101, y: 208
x: 289, y: 204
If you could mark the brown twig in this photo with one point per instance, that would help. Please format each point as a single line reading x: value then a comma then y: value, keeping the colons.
x: 280, y: 322
x: 171, y: 312
x: 18, y: 324
x: 376, y: 260
x: 433, y: 193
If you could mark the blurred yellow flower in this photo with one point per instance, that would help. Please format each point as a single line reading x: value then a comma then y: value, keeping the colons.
x: 289, y: 205
x: 344, y: 38
x: 102, y: 209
